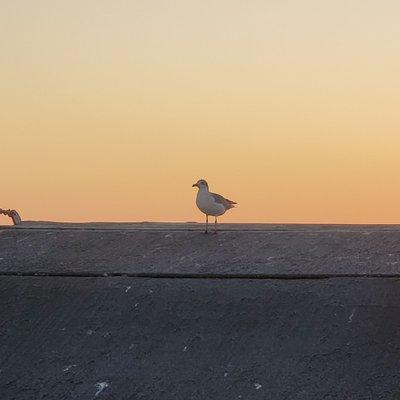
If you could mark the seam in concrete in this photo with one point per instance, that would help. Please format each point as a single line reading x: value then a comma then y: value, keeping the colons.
x: 157, y: 275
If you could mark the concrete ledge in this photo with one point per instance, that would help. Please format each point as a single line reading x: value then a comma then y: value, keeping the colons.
x: 195, y: 226
x: 251, y: 251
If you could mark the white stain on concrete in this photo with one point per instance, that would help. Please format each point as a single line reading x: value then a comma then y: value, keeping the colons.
x: 89, y: 332
x: 185, y: 348
x: 353, y: 311
x: 100, y: 386
x: 257, y: 386
x: 128, y: 288
x: 68, y: 367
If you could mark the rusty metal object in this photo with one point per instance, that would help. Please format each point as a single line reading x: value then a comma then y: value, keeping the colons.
x: 12, y: 214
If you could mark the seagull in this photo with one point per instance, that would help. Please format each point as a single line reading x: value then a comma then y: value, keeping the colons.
x: 211, y: 203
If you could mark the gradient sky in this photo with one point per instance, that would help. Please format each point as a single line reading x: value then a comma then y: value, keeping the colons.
x: 110, y: 110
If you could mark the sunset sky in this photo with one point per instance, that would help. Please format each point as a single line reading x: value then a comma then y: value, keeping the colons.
x: 111, y: 110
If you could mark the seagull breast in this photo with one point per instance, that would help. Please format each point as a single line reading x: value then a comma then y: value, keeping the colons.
x: 211, y: 203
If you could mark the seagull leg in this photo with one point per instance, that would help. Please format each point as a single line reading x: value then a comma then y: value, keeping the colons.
x: 215, y: 226
x: 206, y: 224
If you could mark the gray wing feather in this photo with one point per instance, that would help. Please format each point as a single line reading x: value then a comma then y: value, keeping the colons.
x: 222, y: 200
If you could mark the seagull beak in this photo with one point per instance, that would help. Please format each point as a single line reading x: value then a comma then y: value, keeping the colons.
x: 194, y: 185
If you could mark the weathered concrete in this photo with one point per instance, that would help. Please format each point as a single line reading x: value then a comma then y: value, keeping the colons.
x: 220, y: 334
x: 199, y: 339
x: 264, y: 250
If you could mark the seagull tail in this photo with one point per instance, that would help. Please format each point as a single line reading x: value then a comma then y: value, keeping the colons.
x: 231, y: 204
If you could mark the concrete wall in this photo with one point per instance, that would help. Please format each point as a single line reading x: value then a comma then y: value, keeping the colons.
x: 245, y: 336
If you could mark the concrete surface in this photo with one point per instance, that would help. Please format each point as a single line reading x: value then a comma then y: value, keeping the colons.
x: 256, y: 312
x: 169, y: 339
x: 262, y: 250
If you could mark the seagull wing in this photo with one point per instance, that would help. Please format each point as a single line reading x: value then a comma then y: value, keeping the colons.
x: 222, y: 200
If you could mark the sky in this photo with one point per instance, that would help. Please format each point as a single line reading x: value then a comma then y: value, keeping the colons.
x: 111, y: 110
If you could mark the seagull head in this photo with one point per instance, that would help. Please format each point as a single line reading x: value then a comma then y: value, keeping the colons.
x: 201, y: 184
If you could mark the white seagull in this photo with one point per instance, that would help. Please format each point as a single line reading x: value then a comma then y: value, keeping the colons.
x: 211, y: 203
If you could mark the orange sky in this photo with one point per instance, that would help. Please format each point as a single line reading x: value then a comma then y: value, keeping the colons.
x: 110, y: 110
